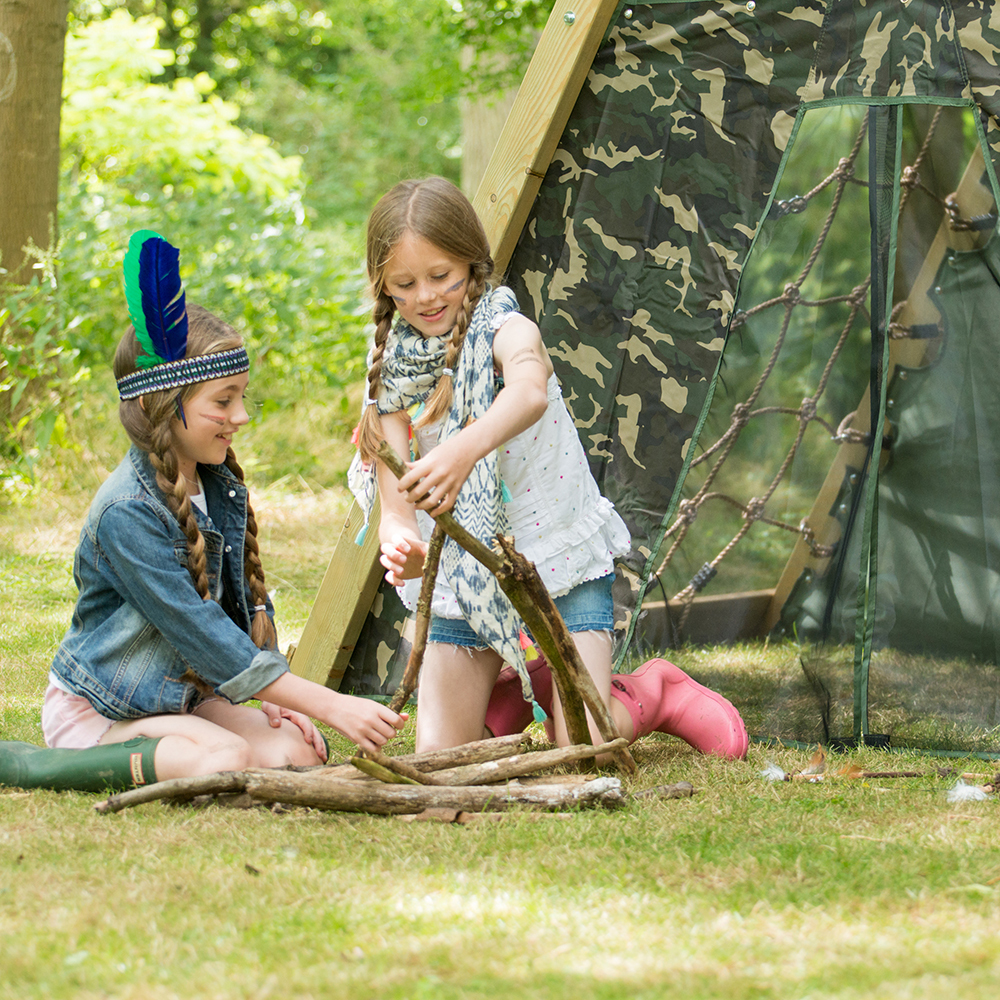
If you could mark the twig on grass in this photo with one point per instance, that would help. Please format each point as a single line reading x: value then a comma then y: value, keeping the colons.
x: 377, y: 798
x: 523, y: 764
x: 402, y: 770
x: 176, y: 788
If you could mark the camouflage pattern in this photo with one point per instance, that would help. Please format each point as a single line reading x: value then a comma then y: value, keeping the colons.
x: 631, y: 259
x: 632, y: 255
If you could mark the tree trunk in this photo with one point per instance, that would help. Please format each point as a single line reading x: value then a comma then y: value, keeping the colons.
x: 32, y: 40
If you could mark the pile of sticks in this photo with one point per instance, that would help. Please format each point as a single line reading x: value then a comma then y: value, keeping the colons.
x: 519, y: 580
x: 488, y: 776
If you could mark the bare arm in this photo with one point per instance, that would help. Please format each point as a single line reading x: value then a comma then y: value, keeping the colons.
x: 365, y: 722
x: 402, y: 547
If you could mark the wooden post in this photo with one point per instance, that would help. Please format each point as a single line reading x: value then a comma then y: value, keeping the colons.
x: 342, y: 603
x: 535, y: 124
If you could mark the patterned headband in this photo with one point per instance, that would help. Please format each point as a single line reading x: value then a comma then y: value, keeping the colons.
x: 172, y: 374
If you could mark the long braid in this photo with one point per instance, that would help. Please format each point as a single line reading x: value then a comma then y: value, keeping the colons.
x: 369, y: 427
x: 262, y: 628
x: 171, y: 482
x: 147, y: 422
x: 439, y: 402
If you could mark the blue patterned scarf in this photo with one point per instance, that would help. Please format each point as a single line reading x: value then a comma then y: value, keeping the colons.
x: 411, y: 367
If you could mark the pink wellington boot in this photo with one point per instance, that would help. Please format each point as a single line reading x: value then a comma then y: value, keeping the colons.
x: 661, y: 698
x: 507, y: 711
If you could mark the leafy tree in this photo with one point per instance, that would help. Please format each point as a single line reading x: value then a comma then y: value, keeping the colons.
x: 364, y: 93
x: 31, y: 46
x: 139, y: 154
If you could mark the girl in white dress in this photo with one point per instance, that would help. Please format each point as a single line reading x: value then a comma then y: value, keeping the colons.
x: 467, y: 377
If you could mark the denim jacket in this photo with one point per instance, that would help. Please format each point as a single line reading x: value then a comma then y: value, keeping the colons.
x: 139, y: 623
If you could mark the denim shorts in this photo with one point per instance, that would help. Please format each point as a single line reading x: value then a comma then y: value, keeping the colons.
x: 586, y: 608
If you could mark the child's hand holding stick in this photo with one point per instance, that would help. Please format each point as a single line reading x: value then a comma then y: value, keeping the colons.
x: 431, y: 560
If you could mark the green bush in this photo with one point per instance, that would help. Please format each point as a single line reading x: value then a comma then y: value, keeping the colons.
x: 40, y: 376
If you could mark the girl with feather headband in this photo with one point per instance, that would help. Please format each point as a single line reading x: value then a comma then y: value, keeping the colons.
x: 173, y: 628
x: 456, y: 367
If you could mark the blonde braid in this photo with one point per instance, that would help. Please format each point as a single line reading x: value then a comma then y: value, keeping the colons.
x: 370, y: 427
x: 262, y: 628
x: 439, y: 402
x: 171, y: 482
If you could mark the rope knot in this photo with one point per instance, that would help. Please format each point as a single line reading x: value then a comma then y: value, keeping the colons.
x: 688, y: 511
x: 792, y: 294
x: 845, y: 168
x: 858, y: 294
x: 741, y: 414
x: 754, y: 509
x: 808, y: 408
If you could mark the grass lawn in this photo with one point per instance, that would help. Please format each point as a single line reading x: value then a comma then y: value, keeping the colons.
x: 749, y: 889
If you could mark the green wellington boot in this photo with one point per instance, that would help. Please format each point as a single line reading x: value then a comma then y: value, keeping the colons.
x: 110, y: 767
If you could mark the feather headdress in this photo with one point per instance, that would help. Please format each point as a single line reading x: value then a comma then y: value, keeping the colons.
x: 155, y: 298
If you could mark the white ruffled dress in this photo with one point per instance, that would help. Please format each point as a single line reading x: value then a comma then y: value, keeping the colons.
x: 559, y: 519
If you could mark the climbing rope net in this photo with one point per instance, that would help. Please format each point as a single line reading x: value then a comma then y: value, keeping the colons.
x: 755, y: 510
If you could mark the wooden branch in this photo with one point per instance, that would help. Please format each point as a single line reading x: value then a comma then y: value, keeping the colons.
x: 469, y: 753
x: 423, y: 621
x: 853, y: 771
x: 385, y: 800
x: 512, y: 572
x: 404, y: 770
x: 175, y: 788
x: 436, y: 760
x: 543, y: 620
x: 523, y: 764
x: 375, y: 770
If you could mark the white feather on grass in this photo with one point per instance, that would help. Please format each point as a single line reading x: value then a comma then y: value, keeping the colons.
x: 772, y: 772
x: 961, y: 792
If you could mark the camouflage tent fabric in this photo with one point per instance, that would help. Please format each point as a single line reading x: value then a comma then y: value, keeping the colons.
x: 633, y: 256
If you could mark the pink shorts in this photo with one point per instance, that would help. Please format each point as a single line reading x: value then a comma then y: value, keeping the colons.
x: 70, y: 721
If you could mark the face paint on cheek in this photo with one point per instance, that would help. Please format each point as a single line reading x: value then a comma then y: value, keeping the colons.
x: 215, y: 420
x: 455, y: 287
x: 398, y: 299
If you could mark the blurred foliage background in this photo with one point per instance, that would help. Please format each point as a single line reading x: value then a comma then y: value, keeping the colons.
x: 255, y: 136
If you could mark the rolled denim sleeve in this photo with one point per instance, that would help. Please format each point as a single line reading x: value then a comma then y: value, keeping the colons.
x: 267, y: 666
x: 135, y: 552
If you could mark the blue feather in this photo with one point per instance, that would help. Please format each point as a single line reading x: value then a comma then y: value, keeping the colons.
x: 160, y: 318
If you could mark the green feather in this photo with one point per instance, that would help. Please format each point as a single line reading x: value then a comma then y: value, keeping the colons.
x: 133, y: 297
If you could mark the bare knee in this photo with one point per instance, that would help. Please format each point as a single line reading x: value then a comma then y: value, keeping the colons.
x: 284, y: 747
x: 430, y: 742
